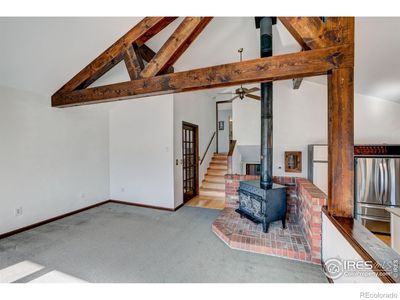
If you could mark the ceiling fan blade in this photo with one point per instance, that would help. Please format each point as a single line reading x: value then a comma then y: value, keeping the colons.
x: 253, y: 96
x: 254, y: 89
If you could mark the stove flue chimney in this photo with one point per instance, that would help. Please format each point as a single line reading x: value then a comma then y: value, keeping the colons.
x: 266, y: 106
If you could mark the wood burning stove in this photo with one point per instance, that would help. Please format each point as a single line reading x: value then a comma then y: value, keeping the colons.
x: 262, y: 201
x: 262, y: 205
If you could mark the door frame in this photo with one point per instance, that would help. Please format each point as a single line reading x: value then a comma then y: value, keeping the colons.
x: 197, y: 173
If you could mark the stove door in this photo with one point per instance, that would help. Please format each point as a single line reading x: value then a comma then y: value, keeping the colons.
x: 252, y: 204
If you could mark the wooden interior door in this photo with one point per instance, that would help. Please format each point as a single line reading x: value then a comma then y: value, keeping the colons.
x: 190, y: 163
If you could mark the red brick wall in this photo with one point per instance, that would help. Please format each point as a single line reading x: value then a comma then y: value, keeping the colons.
x: 232, y: 186
x: 311, y: 200
x: 304, y: 205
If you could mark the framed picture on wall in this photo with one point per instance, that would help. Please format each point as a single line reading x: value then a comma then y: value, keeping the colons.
x: 221, y: 125
x: 293, y: 161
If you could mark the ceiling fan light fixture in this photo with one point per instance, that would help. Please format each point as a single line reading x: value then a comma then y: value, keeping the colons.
x: 242, y: 92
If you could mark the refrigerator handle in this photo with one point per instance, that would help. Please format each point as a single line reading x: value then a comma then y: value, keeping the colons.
x: 386, y: 181
x: 377, y: 180
x: 381, y: 180
x: 361, y: 178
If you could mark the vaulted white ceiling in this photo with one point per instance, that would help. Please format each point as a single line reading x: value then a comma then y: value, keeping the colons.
x: 41, y: 54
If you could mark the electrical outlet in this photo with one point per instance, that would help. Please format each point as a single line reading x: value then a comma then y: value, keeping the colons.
x: 18, y: 211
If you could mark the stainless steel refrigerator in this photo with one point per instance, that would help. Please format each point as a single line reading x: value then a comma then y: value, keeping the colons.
x: 377, y: 185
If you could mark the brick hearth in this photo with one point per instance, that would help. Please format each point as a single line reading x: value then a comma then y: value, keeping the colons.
x: 300, y: 241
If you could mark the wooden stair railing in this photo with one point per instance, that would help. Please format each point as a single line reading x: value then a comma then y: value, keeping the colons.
x: 232, y: 145
x: 208, y: 146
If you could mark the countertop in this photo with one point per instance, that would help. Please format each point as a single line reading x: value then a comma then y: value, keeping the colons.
x: 394, y: 210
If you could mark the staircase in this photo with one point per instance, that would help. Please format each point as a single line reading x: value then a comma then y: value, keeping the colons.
x: 213, y: 185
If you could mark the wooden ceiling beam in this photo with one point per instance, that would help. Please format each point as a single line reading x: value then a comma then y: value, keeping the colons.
x: 342, y: 29
x: 133, y: 61
x: 288, y: 66
x: 309, y: 32
x: 147, y: 54
x: 341, y: 125
x: 341, y: 142
x: 176, y: 45
x: 139, y: 34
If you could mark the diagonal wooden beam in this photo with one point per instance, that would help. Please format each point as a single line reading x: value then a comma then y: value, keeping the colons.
x: 309, y: 32
x: 301, y: 64
x: 297, y: 83
x: 147, y: 54
x: 142, y: 32
x: 342, y: 29
x: 176, y: 45
x: 133, y: 61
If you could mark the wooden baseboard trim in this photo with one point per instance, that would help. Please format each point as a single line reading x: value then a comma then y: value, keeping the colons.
x: 25, y: 228
x: 146, y: 205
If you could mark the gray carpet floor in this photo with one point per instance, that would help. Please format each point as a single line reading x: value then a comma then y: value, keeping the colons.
x: 119, y: 243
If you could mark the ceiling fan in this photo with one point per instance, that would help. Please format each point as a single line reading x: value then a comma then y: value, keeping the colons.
x: 242, y: 91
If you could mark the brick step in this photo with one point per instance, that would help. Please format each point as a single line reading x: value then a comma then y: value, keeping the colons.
x: 216, y: 172
x: 211, y: 192
x: 213, y: 185
x: 218, y: 166
x: 214, y: 178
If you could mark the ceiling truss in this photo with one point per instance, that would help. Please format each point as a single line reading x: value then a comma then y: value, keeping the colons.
x: 153, y: 74
x: 328, y: 48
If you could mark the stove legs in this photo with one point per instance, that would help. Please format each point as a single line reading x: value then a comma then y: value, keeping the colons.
x: 265, y: 226
x: 284, y: 223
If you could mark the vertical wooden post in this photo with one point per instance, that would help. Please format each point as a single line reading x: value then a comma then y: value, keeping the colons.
x: 341, y: 142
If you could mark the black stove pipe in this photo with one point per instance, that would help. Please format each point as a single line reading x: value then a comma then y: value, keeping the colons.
x: 266, y: 107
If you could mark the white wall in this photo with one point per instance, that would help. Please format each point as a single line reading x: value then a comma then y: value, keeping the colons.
x: 142, y: 151
x: 223, y: 135
x: 300, y: 118
x: 376, y: 121
x: 237, y: 162
x: 246, y: 116
x: 197, y: 108
x: 52, y: 160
